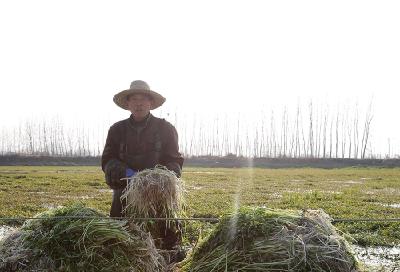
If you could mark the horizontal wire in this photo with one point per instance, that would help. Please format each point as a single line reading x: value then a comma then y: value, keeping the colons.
x: 365, y: 220
x: 109, y: 218
x: 206, y: 219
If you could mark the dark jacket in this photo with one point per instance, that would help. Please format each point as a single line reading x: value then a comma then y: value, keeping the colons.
x: 144, y: 144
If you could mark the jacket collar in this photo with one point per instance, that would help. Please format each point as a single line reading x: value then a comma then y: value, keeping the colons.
x: 142, y: 123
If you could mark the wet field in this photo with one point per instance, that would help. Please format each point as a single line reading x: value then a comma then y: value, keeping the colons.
x: 348, y: 193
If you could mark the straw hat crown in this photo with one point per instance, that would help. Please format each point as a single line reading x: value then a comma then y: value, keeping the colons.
x: 138, y: 87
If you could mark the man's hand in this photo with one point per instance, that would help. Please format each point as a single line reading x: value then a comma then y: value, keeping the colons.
x: 114, y: 171
x: 174, y: 167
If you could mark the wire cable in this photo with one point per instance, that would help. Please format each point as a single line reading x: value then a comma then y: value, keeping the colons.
x: 205, y: 219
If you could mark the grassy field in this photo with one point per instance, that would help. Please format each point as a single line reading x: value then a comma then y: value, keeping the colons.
x: 342, y: 193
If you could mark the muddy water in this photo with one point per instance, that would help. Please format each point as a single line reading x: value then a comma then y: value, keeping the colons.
x: 4, y: 230
x: 396, y: 205
x: 379, y: 258
x: 383, y: 259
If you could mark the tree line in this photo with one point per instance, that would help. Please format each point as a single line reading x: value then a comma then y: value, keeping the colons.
x: 310, y: 131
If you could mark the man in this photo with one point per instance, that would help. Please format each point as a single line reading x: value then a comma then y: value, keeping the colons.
x: 139, y: 142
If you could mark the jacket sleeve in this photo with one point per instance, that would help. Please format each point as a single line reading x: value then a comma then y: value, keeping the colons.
x: 111, y: 148
x: 171, y: 158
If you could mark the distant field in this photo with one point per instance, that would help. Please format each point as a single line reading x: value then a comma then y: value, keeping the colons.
x: 342, y: 193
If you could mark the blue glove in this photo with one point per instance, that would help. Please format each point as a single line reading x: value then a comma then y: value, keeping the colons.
x: 130, y: 172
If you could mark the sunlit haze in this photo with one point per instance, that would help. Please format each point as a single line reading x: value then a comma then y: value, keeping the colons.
x: 67, y: 59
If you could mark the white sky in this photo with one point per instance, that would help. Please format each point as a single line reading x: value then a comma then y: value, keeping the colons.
x: 68, y: 58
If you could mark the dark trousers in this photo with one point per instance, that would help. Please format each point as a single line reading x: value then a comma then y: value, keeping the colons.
x: 116, y: 205
x: 166, y: 236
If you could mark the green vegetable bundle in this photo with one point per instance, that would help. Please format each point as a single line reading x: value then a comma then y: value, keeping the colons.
x: 99, y: 244
x: 154, y: 193
x: 259, y: 239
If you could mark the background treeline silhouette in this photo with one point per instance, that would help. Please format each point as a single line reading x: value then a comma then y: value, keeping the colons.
x: 310, y: 131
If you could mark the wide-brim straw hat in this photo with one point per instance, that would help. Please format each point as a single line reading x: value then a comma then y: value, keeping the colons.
x: 138, y: 87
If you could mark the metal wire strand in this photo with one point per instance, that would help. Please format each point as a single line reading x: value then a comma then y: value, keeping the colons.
x: 205, y: 219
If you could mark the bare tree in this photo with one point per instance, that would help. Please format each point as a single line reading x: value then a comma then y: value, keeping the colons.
x: 324, y: 141
x: 297, y: 140
x: 273, y: 136
x: 367, y: 125
x: 311, y: 130
x: 337, y: 135
x: 355, y: 133
x: 29, y: 130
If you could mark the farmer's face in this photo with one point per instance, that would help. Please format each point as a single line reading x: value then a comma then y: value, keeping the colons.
x: 139, y: 105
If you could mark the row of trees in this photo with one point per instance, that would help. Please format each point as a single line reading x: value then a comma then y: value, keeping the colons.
x: 305, y: 131
x: 52, y: 137
x: 311, y: 132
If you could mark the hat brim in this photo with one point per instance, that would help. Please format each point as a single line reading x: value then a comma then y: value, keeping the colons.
x: 121, y: 98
